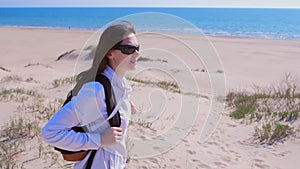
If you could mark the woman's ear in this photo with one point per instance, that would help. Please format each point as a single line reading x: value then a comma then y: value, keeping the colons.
x: 109, y: 55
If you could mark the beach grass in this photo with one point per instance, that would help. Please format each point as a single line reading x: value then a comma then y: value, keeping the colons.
x: 14, y: 78
x: 63, y: 81
x: 273, y: 110
x: 33, y: 109
x: 171, y: 86
x: 38, y: 64
x: 13, y: 136
x: 146, y: 59
x: 18, y: 94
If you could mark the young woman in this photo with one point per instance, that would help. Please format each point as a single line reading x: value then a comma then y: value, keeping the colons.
x: 116, y: 53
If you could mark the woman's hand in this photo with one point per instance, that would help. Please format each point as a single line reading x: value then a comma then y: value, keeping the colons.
x: 133, y: 108
x: 111, y: 136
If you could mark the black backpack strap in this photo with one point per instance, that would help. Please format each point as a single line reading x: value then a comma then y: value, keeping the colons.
x: 110, y: 100
x: 69, y: 97
x: 90, y: 160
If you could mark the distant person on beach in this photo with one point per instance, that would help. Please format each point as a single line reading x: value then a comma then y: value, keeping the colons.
x: 116, y: 53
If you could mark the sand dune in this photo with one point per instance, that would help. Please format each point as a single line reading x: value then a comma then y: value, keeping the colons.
x: 169, y: 123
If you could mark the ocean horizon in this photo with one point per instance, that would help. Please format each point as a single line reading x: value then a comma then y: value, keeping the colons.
x: 242, y: 22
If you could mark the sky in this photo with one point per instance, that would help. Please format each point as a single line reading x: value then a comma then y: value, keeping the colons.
x: 153, y: 3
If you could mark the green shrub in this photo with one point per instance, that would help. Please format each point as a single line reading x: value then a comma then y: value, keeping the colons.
x: 242, y: 111
x: 270, y: 133
x: 271, y: 108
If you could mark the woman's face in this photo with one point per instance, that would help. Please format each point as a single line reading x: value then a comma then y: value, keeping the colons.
x: 122, y: 62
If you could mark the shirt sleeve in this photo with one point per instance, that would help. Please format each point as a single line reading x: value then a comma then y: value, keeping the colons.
x: 89, y: 102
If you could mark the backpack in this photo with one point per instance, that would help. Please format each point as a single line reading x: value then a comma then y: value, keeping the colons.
x: 115, y: 121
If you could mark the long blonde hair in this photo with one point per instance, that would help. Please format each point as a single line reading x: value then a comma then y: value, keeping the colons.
x: 111, y: 37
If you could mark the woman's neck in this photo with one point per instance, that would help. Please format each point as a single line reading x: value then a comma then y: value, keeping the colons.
x: 118, y: 72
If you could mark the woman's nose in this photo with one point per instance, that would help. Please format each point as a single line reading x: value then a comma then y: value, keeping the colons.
x: 136, y: 53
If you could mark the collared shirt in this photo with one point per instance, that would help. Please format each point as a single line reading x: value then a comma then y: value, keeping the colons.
x: 88, y: 108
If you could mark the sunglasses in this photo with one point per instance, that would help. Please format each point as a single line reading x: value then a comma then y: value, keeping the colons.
x: 128, y: 49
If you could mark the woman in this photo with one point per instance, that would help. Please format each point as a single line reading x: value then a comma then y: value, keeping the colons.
x: 116, y: 53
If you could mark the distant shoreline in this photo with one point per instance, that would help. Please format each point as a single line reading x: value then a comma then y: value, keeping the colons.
x: 94, y: 30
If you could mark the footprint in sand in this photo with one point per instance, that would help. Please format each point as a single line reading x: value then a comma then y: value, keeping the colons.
x: 172, y: 159
x: 195, y: 160
x: 177, y: 166
x: 259, y: 163
x: 258, y: 160
x: 231, y: 125
x: 139, y: 129
x: 236, y: 154
x: 187, y: 145
x: 156, y: 148
x: 154, y: 160
x: 280, y: 154
x: 220, y: 164
x: 191, y: 152
x: 213, y: 143
x: 203, y: 166
x: 229, y: 156
x: 226, y: 159
x: 184, y: 140
x: 264, y: 166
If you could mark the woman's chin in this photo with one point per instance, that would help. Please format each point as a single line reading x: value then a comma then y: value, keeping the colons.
x: 133, y: 68
x: 133, y: 65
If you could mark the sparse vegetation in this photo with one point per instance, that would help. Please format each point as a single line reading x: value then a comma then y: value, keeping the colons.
x: 38, y: 64
x: 13, y: 135
x: 12, y: 139
x: 273, y: 109
x: 144, y: 59
x: 43, y: 111
x: 170, y: 86
x: 63, y: 81
x: 18, y: 94
x: 30, y: 79
x: 7, y: 151
x: 14, y: 78
x: 141, y: 123
x: 270, y: 133
x: 20, y: 128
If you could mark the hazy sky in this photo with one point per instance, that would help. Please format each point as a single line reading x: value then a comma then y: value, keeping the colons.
x: 152, y: 3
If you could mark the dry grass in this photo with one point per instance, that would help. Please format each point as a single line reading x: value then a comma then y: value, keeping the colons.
x: 273, y: 109
x: 33, y: 109
x: 63, y: 81
x: 18, y: 94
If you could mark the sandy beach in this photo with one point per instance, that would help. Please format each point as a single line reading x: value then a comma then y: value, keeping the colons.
x: 28, y: 62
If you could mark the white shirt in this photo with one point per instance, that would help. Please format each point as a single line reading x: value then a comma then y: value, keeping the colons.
x: 88, y: 108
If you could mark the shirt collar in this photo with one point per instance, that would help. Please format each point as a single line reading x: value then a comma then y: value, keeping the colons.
x: 115, y: 80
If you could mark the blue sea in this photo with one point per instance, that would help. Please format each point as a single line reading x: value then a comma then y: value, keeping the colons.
x: 245, y: 22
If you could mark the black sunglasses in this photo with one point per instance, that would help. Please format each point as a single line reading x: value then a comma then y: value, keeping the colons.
x: 128, y: 49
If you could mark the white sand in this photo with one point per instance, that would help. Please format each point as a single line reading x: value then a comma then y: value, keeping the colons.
x: 246, y: 61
